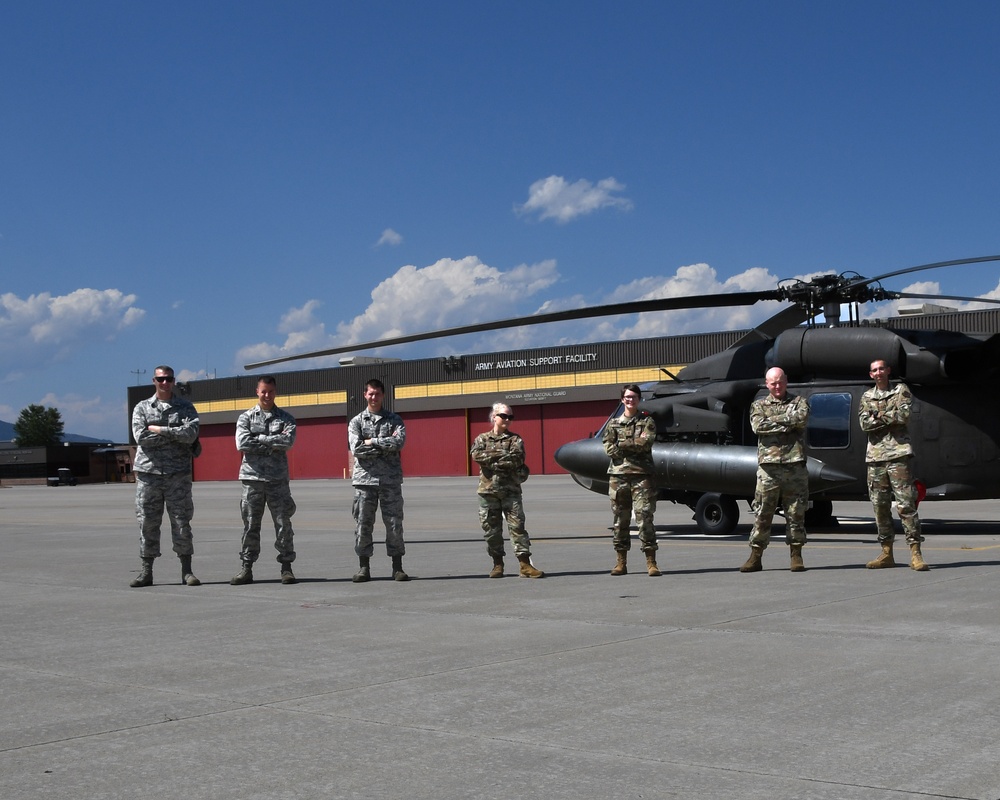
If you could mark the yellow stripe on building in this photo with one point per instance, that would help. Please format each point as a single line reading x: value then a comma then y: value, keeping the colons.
x: 610, y: 377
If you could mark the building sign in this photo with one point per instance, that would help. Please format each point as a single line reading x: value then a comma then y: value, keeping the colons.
x: 510, y: 361
x: 535, y: 396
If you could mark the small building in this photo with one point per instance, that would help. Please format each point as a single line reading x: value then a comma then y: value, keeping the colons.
x: 68, y: 463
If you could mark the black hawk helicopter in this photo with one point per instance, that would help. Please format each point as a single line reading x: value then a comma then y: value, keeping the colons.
x: 706, y: 455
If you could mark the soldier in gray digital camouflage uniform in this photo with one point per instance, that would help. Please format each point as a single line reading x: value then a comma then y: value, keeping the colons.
x: 779, y: 420
x: 628, y: 441
x: 884, y: 413
x: 165, y: 428
x: 500, y: 455
x: 376, y: 436
x: 264, y: 434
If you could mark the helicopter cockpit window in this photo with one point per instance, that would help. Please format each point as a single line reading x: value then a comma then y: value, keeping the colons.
x: 829, y: 420
x: 618, y: 412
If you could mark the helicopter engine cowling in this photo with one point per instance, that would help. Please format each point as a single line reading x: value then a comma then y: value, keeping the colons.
x: 680, y: 415
x: 848, y: 352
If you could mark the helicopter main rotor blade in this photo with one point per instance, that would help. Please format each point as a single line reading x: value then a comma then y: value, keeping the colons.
x: 922, y: 267
x: 613, y: 309
x: 960, y: 298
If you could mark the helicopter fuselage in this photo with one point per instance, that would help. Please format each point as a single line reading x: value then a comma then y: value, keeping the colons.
x: 705, y: 445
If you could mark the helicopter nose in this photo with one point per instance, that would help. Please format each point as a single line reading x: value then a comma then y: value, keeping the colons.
x: 585, y: 458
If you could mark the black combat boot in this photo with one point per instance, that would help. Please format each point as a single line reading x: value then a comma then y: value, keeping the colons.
x: 397, y: 569
x: 187, y: 576
x: 145, y: 576
x: 244, y: 576
x: 364, y: 574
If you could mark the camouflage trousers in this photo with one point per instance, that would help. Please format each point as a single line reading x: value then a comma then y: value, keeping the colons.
x: 888, y: 480
x: 277, y: 496
x: 153, y: 493
x: 787, y: 484
x: 388, y: 497
x: 492, y: 510
x: 630, y: 493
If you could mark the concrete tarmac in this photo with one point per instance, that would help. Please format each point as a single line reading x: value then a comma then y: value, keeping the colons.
x: 836, y: 683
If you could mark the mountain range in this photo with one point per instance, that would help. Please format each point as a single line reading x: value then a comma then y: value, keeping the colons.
x: 7, y: 434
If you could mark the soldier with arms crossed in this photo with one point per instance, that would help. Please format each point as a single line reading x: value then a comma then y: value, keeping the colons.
x: 264, y: 434
x: 376, y: 436
x: 779, y: 420
x: 628, y: 441
x: 884, y: 413
x: 500, y: 455
x: 165, y: 428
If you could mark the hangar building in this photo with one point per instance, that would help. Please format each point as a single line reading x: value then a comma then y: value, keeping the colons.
x: 559, y: 394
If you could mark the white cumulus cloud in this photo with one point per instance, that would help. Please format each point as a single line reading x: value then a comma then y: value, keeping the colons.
x: 698, y: 281
x: 42, y: 329
x: 447, y: 293
x: 555, y: 198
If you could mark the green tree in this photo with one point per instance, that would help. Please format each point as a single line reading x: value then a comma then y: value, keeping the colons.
x: 37, y: 426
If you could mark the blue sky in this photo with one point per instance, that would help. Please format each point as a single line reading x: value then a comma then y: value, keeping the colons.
x: 208, y: 184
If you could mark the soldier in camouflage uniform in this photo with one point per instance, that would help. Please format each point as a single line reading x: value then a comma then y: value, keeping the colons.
x: 264, y: 434
x: 500, y: 455
x: 165, y: 428
x: 779, y: 420
x: 628, y: 441
x: 884, y: 413
x: 376, y: 436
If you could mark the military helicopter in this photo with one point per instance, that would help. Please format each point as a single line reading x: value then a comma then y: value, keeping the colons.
x: 705, y: 456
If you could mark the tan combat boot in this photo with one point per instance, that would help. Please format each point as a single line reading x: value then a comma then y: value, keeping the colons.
x: 753, y: 563
x: 796, y: 565
x: 621, y: 568
x: 916, y: 559
x: 528, y: 571
x: 651, y: 569
x: 883, y: 561
x: 287, y: 576
x: 497, y: 571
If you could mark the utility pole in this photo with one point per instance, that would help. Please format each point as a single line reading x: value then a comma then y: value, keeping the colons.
x: 137, y: 373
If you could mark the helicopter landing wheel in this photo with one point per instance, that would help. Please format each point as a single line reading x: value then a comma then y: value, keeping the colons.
x: 820, y: 515
x: 716, y: 514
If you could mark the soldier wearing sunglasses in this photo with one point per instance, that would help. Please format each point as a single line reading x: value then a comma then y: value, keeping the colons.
x: 165, y: 428
x: 500, y: 455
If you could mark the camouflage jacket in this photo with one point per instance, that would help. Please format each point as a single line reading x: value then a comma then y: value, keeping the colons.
x: 167, y: 452
x: 379, y: 462
x: 628, y: 441
x: 780, y: 426
x: 264, y: 438
x: 884, y: 416
x: 500, y: 456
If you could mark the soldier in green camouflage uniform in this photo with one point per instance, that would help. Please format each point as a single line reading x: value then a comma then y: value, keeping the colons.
x: 264, y: 434
x: 165, y: 428
x: 884, y: 413
x: 500, y: 455
x: 376, y: 436
x: 779, y: 420
x: 628, y: 441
